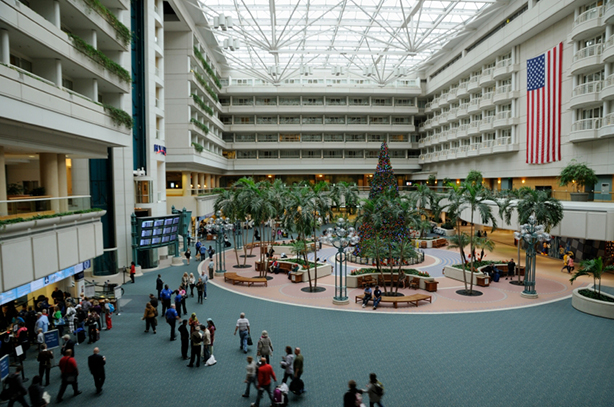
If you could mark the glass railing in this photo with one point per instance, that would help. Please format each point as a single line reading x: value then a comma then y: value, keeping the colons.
x: 587, y: 52
x: 23, y: 206
x: 503, y: 89
x: 503, y: 141
x: 586, y: 124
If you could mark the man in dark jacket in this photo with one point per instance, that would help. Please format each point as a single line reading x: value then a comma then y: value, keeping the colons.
x: 68, y: 344
x: 159, y: 285
x: 349, y: 398
x: 185, y: 338
x: 96, y: 364
x: 197, y: 342
x: 16, y: 388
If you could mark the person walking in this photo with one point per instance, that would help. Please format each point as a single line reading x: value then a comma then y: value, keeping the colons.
x: 200, y: 290
x: 511, y: 268
x: 565, y: 262
x: 159, y: 285
x: 206, y: 345
x: 298, y: 363
x: 250, y: 378
x: 68, y: 344
x: 185, y: 338
x: 205, y: 278
x: 375, y: 390
x: 188, y: 254
x: 211, y: 252
x: 185, y: 280
x: 192, y: 284
x: 150, y: 317
x: 197, y: 341
x: 352, y: 397
x: 244, y: 331
x: 45, y: 359
x: 36, y: 392
x: 70, y: 373
x: 570, y: 264
x: 154, y: 302
x: 171, y: 319
x: 265, y: 373
x: 287, y: 363
x: 16, y: 389
x: 265, y: 346
x: 210, y: 268
x: 108, y: 313
x: 132, y: 271
x: 165, y: 296
x: 96, y: 364
x: 203, y: 252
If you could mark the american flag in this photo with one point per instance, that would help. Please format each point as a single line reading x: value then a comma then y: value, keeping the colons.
x: 544, y: 106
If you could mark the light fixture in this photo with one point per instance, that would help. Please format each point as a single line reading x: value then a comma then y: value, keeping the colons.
x: 399, y: 72
x: 306, y: 70
x: 337, y: 70
x: 458, y: 181
x: 270, y: 176
x: 499, y: 181
x: 523, y: 180
x: 370, y: 71
x: 435, y: 182
x: 223, y: 22
x: 231, y: 44
x: 273, y: 70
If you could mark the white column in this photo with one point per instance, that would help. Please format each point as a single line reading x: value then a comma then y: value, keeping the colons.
x: 57, y: 79
x: 194, y: 181
x: 208, y: 181
x: 49, y: 177
x: 62, y: 182
x: 5, y: 47
x: 56, y: 19
x: 185, y: 182
x: 201, y: 181
x: 3, y: 208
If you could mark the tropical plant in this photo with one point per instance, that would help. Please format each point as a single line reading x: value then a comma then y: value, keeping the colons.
x: 592, y: 267
x: 431, y: 180
x: 226, y: 202
x: 548, y: 211
x: 473, y: 198
x: 577, y: 174
x: 14, y: 189
x: 474, y: 177
x: 345, y: 193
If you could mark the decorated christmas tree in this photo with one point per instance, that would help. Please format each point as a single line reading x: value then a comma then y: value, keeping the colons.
x: 384, y: 183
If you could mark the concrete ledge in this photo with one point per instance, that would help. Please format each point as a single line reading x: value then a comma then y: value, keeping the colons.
x: 591, y: 306
x: 457, y: 274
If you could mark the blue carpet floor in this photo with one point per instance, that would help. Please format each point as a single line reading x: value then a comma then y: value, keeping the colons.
x: 550, y: 355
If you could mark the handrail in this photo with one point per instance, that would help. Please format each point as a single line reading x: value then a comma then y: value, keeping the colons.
x: 55, y: 198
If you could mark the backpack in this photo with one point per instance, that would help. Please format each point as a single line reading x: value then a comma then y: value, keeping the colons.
x: 379, y: 389
x: 111, y: 308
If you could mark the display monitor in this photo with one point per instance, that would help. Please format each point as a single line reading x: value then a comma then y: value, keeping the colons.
x: 147, y: 224
x: 165, y: 239
x: 146, y: 232
x: 157, y: 231
x: 174, y: 229
x: 145, y: 242
x: 166, y: 231
x: 155, y: 240
x: 173, y: 237
x: 168, y: 221
x: 175, y: 221
x: 159, y: 222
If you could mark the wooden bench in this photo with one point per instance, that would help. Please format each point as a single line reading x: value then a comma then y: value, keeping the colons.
x: 439, y: 243
x: 236, y: 279
x: 403, y: 283
x: 409, y: 299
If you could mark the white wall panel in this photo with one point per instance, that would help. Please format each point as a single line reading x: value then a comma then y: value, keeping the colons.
x: 68, y: 247
x: 87, y: 242
x: 45, y: 254
x: 16, y: 262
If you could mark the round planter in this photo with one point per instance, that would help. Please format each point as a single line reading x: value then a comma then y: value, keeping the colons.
x: 591, y: 306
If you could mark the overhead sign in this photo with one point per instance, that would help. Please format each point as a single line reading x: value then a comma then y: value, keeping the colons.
x: 157, y: 231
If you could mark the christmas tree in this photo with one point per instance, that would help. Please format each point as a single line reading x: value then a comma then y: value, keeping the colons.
x: 384, y: 183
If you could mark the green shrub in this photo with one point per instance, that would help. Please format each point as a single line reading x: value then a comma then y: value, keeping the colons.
x: 37, y: 217
x: 200, y: 125
x: 119, y: 116
x: 202, y: 104
x: 121, y: 31
x: 199, y: 148
x: 99, y: 57
x: 207, y: 68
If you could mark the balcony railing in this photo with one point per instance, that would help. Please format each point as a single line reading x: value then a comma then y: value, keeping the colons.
x: 506, y: 114
x: 589, y: 15
x: 587, y: 52
x: 589, y: 87
x: 503, y: 89
x: 503, y: 63
x: 32, y: 206
x: 587, y: 124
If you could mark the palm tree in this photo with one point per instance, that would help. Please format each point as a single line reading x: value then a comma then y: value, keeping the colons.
x: 319, y: 204
x: 472, y: 198
x: 592, y: 267
x: 459, y: 241
x: 226, y: 202
x: 345, y: 193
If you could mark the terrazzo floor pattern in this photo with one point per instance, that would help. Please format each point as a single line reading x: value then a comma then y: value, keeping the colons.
x: 551, y: 355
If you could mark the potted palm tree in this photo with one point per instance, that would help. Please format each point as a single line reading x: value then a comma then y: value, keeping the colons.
x: 593, y: 301
x: 579, y: 175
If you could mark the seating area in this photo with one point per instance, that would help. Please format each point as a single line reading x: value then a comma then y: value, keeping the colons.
x: 237, y: 279
x: 409, y: 299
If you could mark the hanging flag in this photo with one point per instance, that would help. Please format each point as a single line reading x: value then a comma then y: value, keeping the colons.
x: 544, y: 76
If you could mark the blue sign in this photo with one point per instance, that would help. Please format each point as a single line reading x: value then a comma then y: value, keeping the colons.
x: 52, y: 339
x: 4, y: 367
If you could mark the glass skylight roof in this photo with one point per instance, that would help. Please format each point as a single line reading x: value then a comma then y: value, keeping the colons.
x: 381, y: 39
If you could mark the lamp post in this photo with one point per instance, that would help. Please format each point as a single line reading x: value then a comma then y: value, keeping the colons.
x: 532, y: 234
x: 340, y: 238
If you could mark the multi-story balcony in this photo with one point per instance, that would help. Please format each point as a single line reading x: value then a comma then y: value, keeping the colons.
x: 607, y: 126
x: 504, y: 119
x: 462, y: 90
x: 435, y: 103
x: 462, y: 151
x: 586, y: 59
x: 487, y: 123
x: 587, y: 24
x: 504, y: 145
x: 474, y: 128
x: 452, y: 134
x: 486, y: 100
x: 463, y: 110
x: 452, y: 95
x: 504, y: 68
x: 504, y: 94
x: 585, y: 94
x: 487, y: 77
x: 427, y: 107
x: 443, y: 100
x: 585, y: 130
x: 474, y: 106
x: 607, y: 53
x: 473, y: 150
x: 473, y: 85
x: 462, y: 130
x: 608, y: 13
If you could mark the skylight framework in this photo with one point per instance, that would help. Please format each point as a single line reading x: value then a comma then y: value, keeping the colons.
x: 380, y: 39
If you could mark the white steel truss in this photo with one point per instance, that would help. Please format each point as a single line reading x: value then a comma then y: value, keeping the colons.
x: 383, y: 39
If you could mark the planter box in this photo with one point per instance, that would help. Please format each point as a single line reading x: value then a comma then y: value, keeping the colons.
x: 591, y: 306
x: 579, y: 196
x: 429, y: 244
x: 457, y: 274
x: 352, y: 281
x: 323, y: 271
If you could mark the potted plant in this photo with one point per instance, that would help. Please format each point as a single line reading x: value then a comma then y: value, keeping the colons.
x: 579, y: 175
x: 592, y: 301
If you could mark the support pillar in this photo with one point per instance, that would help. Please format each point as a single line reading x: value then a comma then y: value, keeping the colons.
x: 194, y: 182
x: 5, y: 57
x: 208, y: 180
x: 185, y: 183
x: 3, y: 206
x: 62, y: 182
x: 49, y: 177
x: 201, y: 181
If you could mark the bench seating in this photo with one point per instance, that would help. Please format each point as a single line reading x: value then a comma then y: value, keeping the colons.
x: 236, y: 279
x: 409, y: 299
